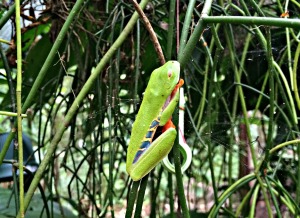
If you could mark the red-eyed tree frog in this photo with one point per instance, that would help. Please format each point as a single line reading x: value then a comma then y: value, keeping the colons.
x: 160, y: 99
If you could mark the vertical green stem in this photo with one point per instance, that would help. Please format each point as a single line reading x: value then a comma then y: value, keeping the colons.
x: 272, y: 95
x: 131, y: 200
x: 168, y: 57
x: 171, y: 198
x: 186, y: 25
x: 140, y: 198
x: 288, y: 48
x: 274, y: 199
x: 111, y: 163
x: 178, y: 173
x: 209, y: 145
x: 289, y: 53
x: 19, y: 107
x: 171, y: 29
x: 137, y: 62
x: 296, y: 59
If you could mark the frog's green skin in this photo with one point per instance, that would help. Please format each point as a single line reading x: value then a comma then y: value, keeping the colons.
x: 154, y: 111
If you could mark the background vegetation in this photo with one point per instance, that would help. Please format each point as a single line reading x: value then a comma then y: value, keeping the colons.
x: 85, y: 65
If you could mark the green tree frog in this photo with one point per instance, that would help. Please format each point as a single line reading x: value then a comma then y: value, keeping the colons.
x: 160, y: 99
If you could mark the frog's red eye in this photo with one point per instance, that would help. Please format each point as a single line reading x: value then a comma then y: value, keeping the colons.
x: 169, y: 73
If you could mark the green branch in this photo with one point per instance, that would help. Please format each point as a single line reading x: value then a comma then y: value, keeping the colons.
x: 267, y: 21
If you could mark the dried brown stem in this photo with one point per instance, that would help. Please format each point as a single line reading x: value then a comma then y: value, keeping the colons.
x: 151, y: 31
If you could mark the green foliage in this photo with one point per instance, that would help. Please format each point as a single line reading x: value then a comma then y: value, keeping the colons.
x: 241, y: 116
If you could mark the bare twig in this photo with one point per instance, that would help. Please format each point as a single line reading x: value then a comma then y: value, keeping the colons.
x: 151, y: 31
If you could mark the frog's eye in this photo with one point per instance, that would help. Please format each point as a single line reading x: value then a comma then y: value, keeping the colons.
x: 169, y: 73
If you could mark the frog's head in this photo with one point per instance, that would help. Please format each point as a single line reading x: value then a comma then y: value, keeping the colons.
x: 167, y: 77
x: 170, y: 80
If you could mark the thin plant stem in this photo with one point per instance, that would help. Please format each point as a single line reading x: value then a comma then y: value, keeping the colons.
x: 275, y: 203
x: 228, y: 192
x: 230, y: 161
x: 216, y: 38
x: 287, y: 195
x: 295, y: 68
x: 171, y: 198
x: 245, y: 200
x: 171, y: 28
x: 137, y: 62
x: 186, y: 25
x: 131, y: 199
x: 254, y: 201
x: 249, y: 20
x: 19, y: 108
x: 296, y: 3
x: 272, y: 96
x: 5, y: 42
x: 150, y: 31
x: 210, y: 149
x: 291, y: 100
x: 178, y: 172
x: 111, y: 162
x: 288, y: 50
x: 257, y: 8
x: 261, y: 91
x: 140, y: 197
x: 284, y: 144
x: 11, y: 114
x: 204, y: 91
